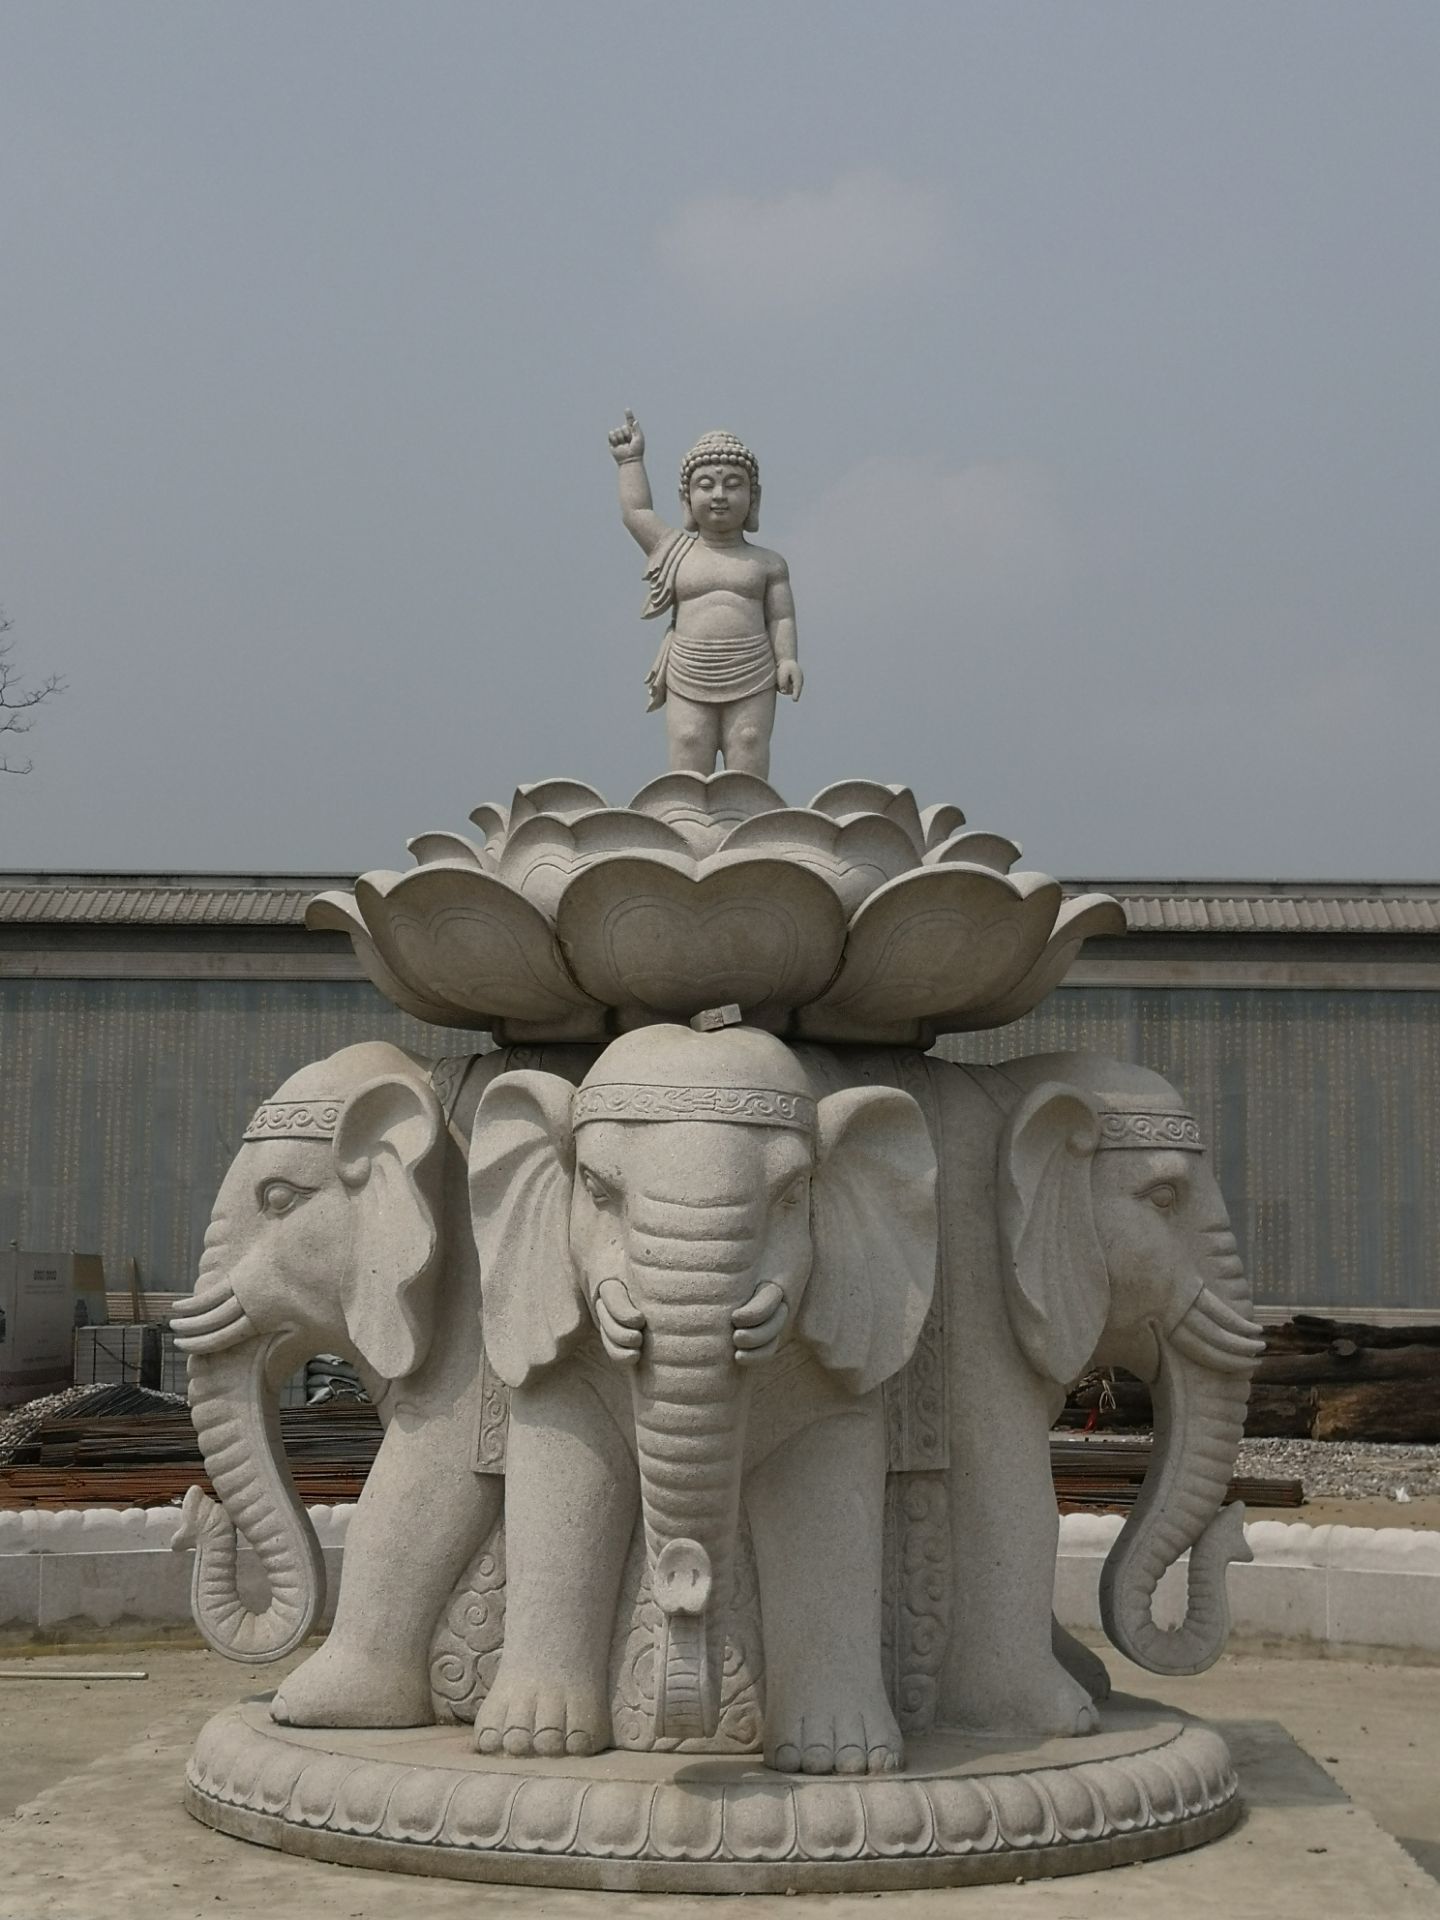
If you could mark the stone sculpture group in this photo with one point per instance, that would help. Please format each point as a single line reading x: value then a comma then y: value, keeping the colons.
x: 717, y: 1328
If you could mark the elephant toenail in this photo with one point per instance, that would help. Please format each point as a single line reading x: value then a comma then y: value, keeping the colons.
x: 518, y: 1742
x: 850, y: 1760
x: 487, y: 1740
x: 787, y: 1759
x: 580, y: 1743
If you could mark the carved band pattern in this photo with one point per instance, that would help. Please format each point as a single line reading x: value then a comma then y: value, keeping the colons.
x: 739, y: 1106
x: 1178, y: 1131
x: 242, y: 1762
x: 295, y: 1120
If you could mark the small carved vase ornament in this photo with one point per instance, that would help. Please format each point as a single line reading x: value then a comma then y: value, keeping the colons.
x: 730, y: 647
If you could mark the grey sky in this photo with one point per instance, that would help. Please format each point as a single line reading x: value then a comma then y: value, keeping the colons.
x: 1089, y: 352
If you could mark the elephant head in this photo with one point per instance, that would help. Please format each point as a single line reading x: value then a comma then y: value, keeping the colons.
x: 1117, y: 1247
x: 323, y: 1237
x: 695, y: 1201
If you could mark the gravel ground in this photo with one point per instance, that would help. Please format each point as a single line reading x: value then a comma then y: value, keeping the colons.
x: 1345, y: 1469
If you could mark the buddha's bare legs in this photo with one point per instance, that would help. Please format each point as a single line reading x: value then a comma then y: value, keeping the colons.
x: 745, y: 728
x: 692, y: 731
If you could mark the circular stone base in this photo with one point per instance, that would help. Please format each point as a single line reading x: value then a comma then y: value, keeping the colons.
x: 966, y: 1810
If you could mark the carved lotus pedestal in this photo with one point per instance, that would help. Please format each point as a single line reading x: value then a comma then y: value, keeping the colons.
x: 965, y: 1811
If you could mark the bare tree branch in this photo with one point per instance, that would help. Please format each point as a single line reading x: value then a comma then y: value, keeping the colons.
x: 18, y: 701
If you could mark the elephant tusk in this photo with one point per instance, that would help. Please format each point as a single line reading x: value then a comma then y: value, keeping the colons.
x: 1215, y: 1335
x: 620, y: 1321
x: 210, y: 1319
x: 759, y: 1323
x: 229, y: 1335
x: 203, y: 1298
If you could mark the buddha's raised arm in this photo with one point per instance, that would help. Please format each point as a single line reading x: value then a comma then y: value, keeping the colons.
x: 637, y: 509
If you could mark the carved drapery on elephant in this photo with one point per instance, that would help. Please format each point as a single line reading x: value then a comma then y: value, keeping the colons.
x: 659, y: 1286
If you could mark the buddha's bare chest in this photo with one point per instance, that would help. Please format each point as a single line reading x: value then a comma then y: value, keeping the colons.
x: 737, y: 570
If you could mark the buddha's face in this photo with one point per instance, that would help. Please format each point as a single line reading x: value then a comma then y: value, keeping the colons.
x: 720, y: 497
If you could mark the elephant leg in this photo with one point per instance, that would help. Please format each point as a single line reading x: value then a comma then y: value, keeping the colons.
x: 817, y: 1519
x: 422, y: 1514
x: 1082, y: 1663
x: 569, y: 1513
x: 1002, y: 1674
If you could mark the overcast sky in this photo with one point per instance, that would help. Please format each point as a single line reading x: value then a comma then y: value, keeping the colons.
x: 1089, y: 353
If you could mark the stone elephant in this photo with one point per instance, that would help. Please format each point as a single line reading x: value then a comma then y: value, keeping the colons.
x: 647, y: 1244
x: 343, y: 1225
x: 1081, y: 1223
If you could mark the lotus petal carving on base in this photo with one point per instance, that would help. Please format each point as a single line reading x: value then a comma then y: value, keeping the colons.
x: 655, y: 943
x: 858, y: 918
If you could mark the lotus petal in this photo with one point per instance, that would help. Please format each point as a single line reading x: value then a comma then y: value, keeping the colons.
x: 446, y: 846
x: 338, y: 913
x: 855, y: 855
x: 940, y: 938
x: 1087, y: 917
x: 940, y: 822
x: 646, y: 938
x: 845, y: 797
x: 543, y: 854
x: 492, y: 819
x: 476, y: 944
x: 991, y: 850
x: 705, y: 806
x: 564, y: 797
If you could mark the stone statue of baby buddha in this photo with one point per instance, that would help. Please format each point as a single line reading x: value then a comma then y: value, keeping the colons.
x: 731, y: 644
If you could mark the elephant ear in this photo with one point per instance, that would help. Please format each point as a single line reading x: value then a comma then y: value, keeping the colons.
x: 389, y: 1154
x: 874, y: 1229
x: 522, y: 1163
x: 1057, y: 1287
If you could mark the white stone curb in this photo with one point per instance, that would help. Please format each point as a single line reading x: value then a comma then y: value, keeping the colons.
x: 111, y: 1569
x: 1332, y: 1586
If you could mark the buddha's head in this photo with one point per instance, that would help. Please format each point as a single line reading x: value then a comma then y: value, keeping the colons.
x: 720, y: 485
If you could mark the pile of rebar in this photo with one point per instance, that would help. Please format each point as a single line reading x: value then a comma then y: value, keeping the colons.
x: 1104, y: 1475
x: 147, y: 1457
x: 124, y: 1447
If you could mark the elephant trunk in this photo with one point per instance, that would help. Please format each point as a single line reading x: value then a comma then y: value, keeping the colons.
x: 1201, y: 1389
x: 233, y: 1405
x: 691, y: 1401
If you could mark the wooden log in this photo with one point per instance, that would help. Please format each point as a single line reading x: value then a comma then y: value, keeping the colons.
x: 1343, y: 1363
x: 1280, y: 1413
x: 1403, y: 1412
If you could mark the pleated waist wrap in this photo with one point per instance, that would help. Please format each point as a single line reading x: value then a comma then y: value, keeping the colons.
x: 713, y: 670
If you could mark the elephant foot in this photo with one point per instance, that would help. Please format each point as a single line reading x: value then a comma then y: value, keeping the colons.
x: 526, y: 1715
x: 1026, y: 1697
x: 830, y: 1732
x: 340, y: 1687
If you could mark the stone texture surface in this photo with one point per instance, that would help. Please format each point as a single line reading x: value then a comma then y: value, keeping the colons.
x: 965, y: 1812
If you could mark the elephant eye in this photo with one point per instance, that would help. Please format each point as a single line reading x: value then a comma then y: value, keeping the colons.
x: 1165, y: 1196
x: 797, y: 1191
x: 599, y: 1193
x: 279, y: 1196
